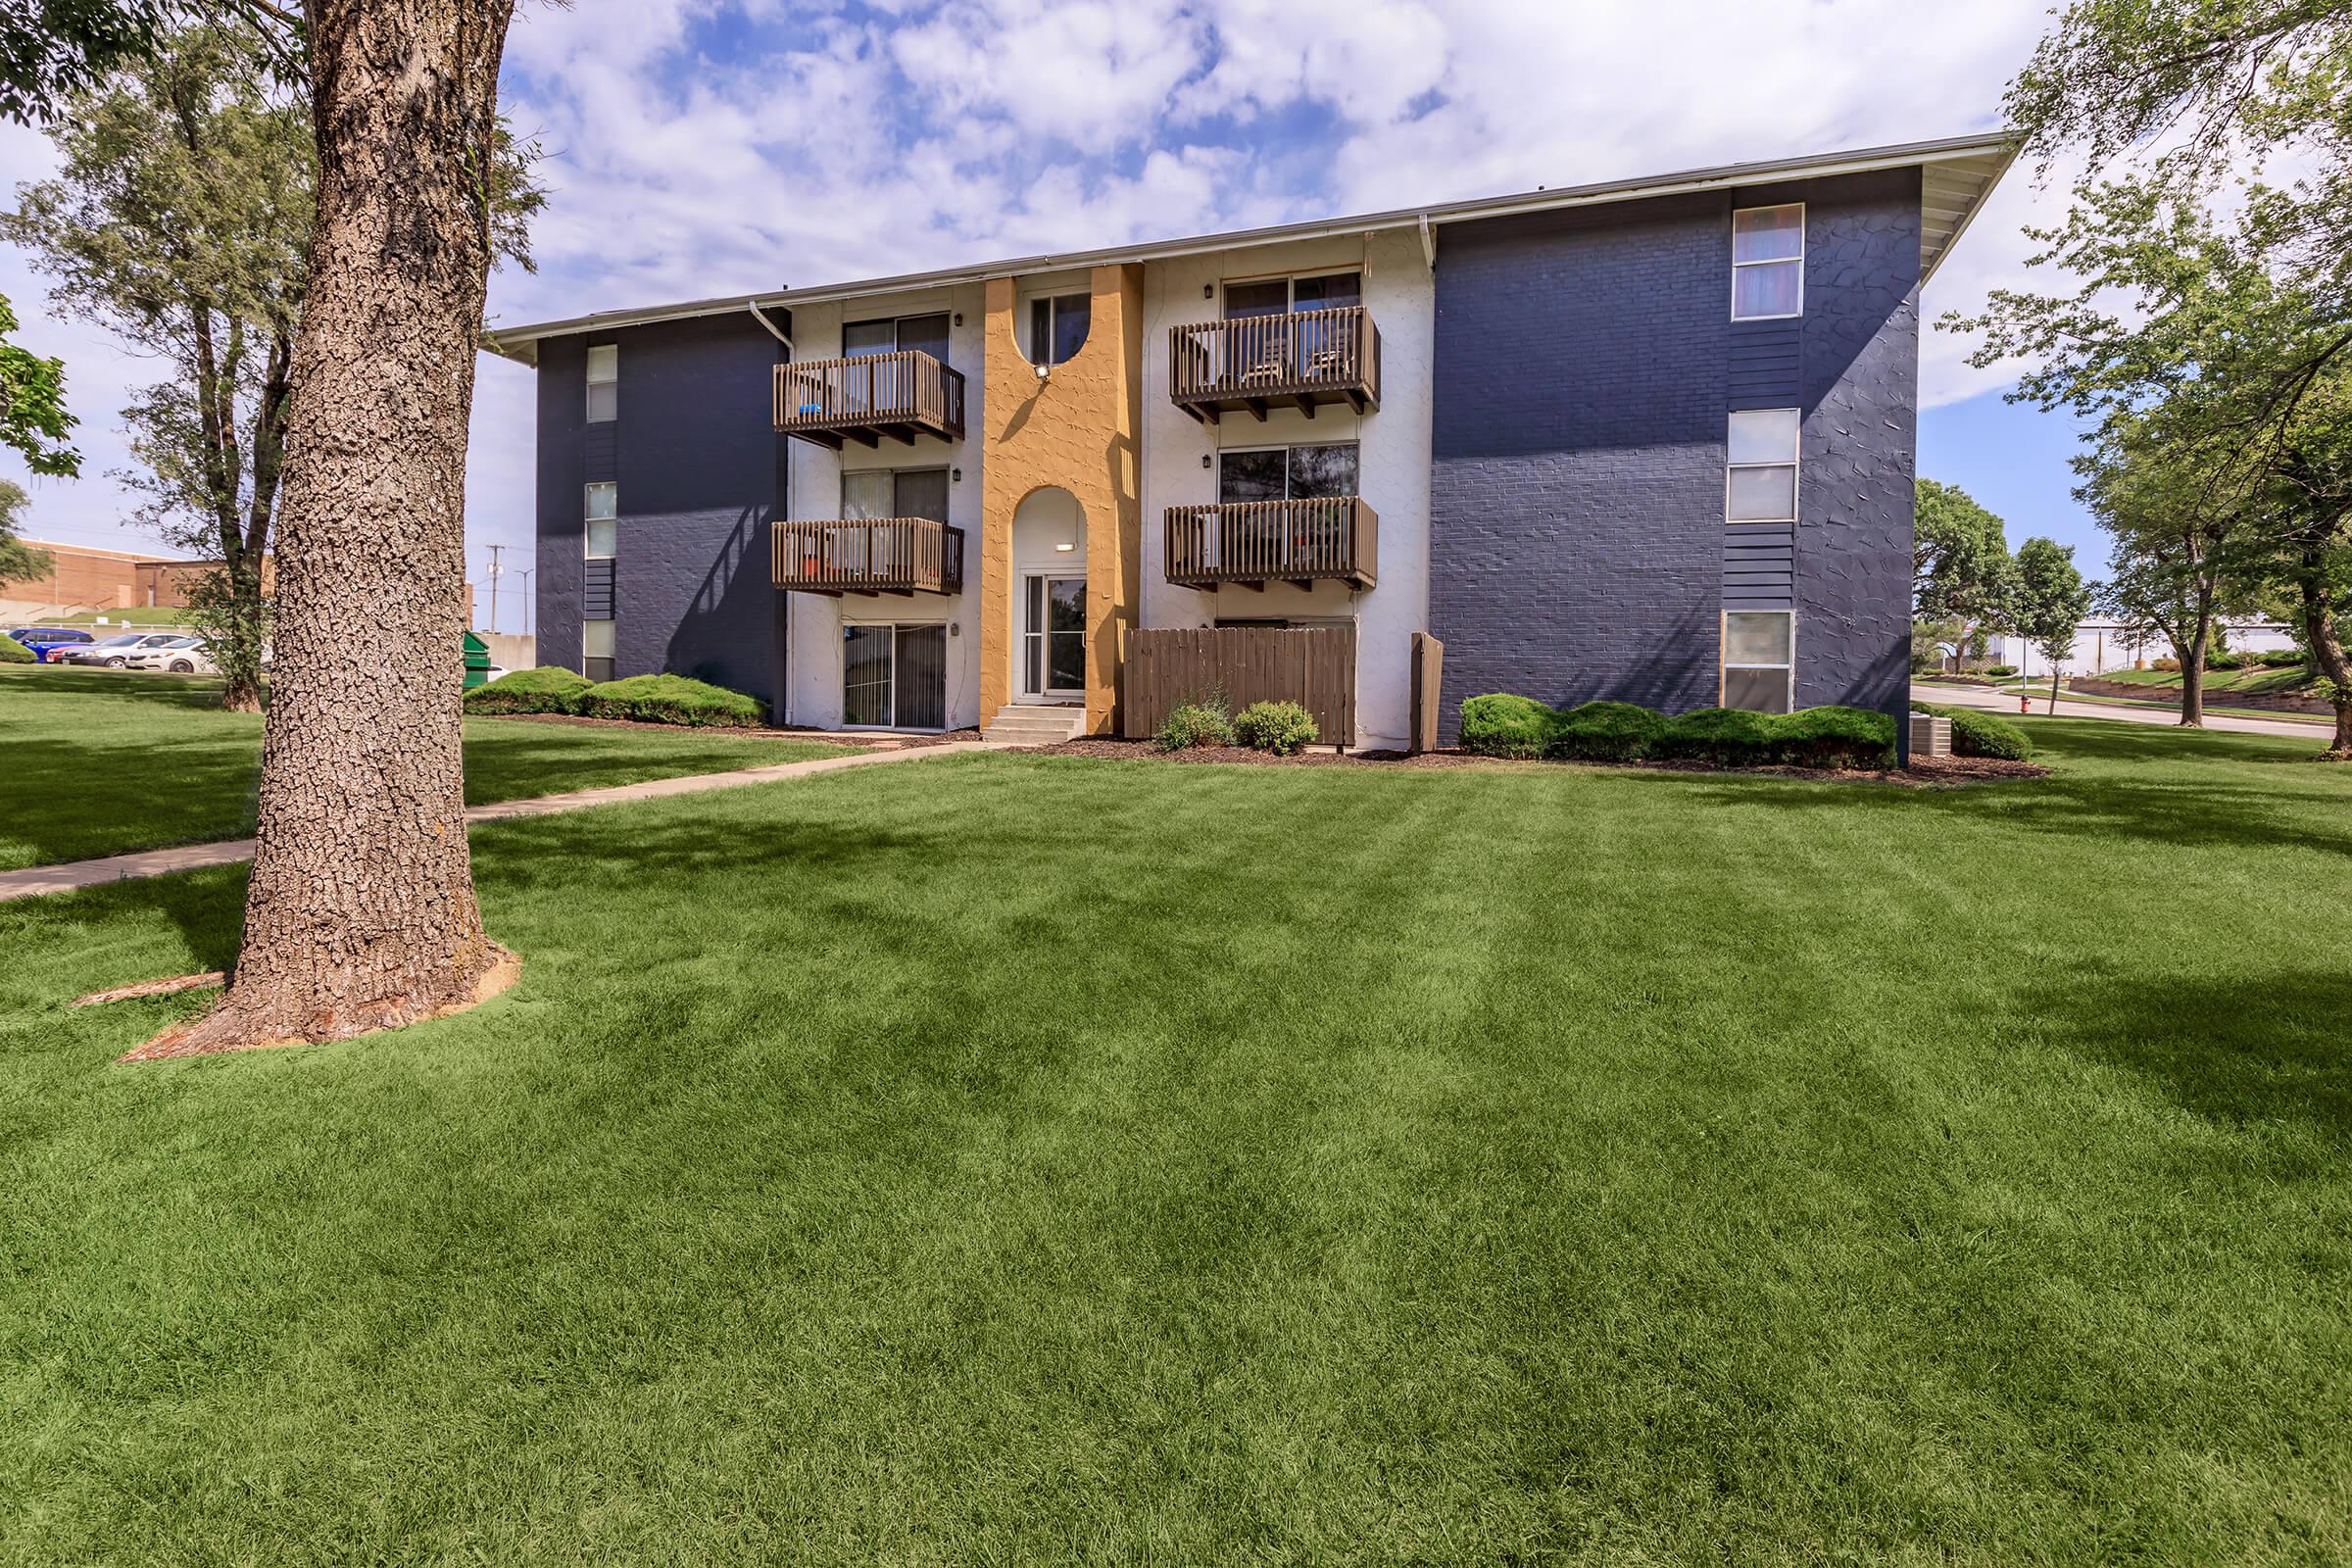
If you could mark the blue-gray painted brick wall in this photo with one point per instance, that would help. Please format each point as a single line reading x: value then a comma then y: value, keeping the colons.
x: 1585, y: 364
x: 700, y: 474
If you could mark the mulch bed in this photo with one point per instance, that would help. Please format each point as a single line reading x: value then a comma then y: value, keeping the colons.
x: 1925, y: 772
x: 837, y: 737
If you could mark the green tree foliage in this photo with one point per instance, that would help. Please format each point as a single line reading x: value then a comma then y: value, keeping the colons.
x: 51, y: 50
x: 1961, y: 572
x: 2050, y: 603
x: 34, y: 420
x: 19, y: 561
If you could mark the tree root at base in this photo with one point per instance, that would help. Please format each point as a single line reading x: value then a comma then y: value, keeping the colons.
x: 155, y: 988
x: 228, y: 1027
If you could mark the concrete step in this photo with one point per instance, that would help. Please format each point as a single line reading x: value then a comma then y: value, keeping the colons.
x: 1024, y: 725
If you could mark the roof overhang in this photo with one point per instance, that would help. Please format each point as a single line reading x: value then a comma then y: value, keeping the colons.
x: 1957, y: 173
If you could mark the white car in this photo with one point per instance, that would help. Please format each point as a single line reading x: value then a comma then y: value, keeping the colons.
x: 181, y: 656
x: 114, y: 652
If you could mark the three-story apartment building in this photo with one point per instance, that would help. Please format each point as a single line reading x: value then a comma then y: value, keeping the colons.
x: 1650, y: 440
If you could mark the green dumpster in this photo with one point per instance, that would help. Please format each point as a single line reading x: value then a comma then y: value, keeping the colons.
x: 478, y: 661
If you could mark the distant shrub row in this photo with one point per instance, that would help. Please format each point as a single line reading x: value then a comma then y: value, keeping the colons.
x: 1977, y: 733
x: 2001, y: 669
x: 647, y: 699
x: 1283, y: 728
x: 1500, y: 725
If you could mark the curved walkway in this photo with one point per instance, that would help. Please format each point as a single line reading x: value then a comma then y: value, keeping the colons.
x: 2071, y: 707
x: 73, y: 875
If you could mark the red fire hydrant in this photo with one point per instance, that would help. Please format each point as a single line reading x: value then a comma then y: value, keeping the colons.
x: 2025, y: 704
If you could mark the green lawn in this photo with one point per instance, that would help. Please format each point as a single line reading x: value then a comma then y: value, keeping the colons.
x: 2291, y: 678
x: 98, y: 761
x: 1018, y: 1160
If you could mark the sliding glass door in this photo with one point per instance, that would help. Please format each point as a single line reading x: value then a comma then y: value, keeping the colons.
x: 894, y: 677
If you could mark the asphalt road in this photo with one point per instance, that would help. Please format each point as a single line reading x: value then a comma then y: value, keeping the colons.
x: 1986, y: 698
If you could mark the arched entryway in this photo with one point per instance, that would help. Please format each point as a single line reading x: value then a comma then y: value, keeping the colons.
x: 1049, y: 598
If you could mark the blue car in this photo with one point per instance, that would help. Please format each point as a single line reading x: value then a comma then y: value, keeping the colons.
x: 42, y: 639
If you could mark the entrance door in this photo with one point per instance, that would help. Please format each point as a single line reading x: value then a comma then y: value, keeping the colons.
x: 895, y: 677
x: 1054, y: 642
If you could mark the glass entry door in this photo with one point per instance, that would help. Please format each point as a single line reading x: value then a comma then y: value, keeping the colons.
x: 1054, y: 641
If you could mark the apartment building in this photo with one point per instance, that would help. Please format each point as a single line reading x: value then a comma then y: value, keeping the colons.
x: 1650, y: 440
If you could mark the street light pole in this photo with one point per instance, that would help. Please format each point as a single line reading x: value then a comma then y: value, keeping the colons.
x: 525, y: 575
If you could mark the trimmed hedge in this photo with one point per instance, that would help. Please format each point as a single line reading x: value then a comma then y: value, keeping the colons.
x: 1604, y: 732
x: 548, y: 689
x: 2226, y: 662
x: 1500, y: 724
x: 12, y: 652
x: 1283, y: 728
x: 670, y: 700
x: 2001, y: 669
x: 2279, y: 657
x: 1977, y: 733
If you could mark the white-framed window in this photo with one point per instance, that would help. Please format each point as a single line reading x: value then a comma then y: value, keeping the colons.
x: 1759, y: 659
x: 1287, y: 473
x: 596, y: 650
x: 1280, y: 296
x: 603, y: 383
x: 1768, y: 262
x: 1759, y: 482
x: 604, y: 520
x: 1058, y: 325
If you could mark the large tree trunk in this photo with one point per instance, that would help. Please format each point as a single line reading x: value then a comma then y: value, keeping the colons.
x: 360, y: 911
x: 2326, y: 639
x: 2191, y: 655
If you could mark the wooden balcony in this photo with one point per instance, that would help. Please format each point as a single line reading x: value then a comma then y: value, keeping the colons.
x: 878, y: 556
x: 1304, y: 359
x: 901, y: 395
x: 1251, y: 543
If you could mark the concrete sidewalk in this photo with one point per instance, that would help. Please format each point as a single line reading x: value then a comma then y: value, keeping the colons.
x: 2069, y: 707
x: 73, y: 875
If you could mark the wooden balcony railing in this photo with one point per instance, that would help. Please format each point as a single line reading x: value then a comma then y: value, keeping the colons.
x: 878, y: 556
x: 1306, y: 359
x: 902, y: 395
x: 1251, y: 543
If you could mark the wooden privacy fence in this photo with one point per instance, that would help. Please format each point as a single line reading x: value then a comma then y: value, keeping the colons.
x: 1315, y: 669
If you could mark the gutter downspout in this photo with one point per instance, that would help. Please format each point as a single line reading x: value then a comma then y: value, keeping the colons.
x: 1428, y: 243
x: 761, y: 316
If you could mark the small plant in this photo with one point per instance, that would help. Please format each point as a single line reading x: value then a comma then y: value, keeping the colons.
x: 2167, y: 665
x: 2226, y: 661
x: 1500, y: 725
x: 669, y: 699
x: 1975, y: 733
x: 1283, y: 728
x: 12, y: 652
x: 1203, y: 722
x: 1606, y: 732
x: 548, y: 689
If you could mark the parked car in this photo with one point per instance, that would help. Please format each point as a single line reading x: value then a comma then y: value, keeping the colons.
x: 113, y: 652
x: 179, y: 655
x: 44, y: 641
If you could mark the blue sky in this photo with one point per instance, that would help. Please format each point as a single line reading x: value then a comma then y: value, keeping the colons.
x: 703, y: 147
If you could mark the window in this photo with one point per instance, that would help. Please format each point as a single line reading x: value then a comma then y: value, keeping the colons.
x: 1287, y: 473
x: 1768, y: 262
x: 596, y: 650
x: 1057, y: 328
x: 1054, y: 641
x: 927, y: 334
x: 602, y: 521
x: 1758, y: 663
x: 1278, y: 296
x: 1761, y: 485
x: 603, y: 383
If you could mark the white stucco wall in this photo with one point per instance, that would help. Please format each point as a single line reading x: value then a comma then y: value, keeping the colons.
x: 813, y: 656
x: 1392, y: 458
x: 2101, y: 646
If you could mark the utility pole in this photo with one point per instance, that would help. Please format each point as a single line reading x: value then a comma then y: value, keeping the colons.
x: 525, y: 575
x: 494, y: 569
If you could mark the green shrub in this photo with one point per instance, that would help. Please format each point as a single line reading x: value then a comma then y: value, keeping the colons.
x: 1283, y: 728
x: 1604, y: 732
x: 1500, y: 724
x: 12, y: 652
x: 1203, y: 722
x: 669, y: 699
x: 1834, y: 737
x: 1975, y: 733
x: 1731, y: 737
x: 2169, y: 665
x: 2001, y: 669
x: 2279, y: 657
x: 548, y: 689
x: 2226, y: 662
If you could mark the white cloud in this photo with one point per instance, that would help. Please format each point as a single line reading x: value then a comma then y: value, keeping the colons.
x: 703, y: 147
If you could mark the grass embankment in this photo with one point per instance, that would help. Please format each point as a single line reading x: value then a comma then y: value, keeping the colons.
x: 1020, y: 1159
x: 98, y: 761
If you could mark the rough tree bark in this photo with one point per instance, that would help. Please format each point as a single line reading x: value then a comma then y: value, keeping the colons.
x: 2325, y: 640
x: 360, y: 911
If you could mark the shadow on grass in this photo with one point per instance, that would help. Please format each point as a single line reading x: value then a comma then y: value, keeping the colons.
x: 2270, y: 1048
x: 197, y: 694
x: 2111, y: 741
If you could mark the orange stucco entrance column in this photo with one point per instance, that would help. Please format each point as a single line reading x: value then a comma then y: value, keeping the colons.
x: 1077, y: 428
